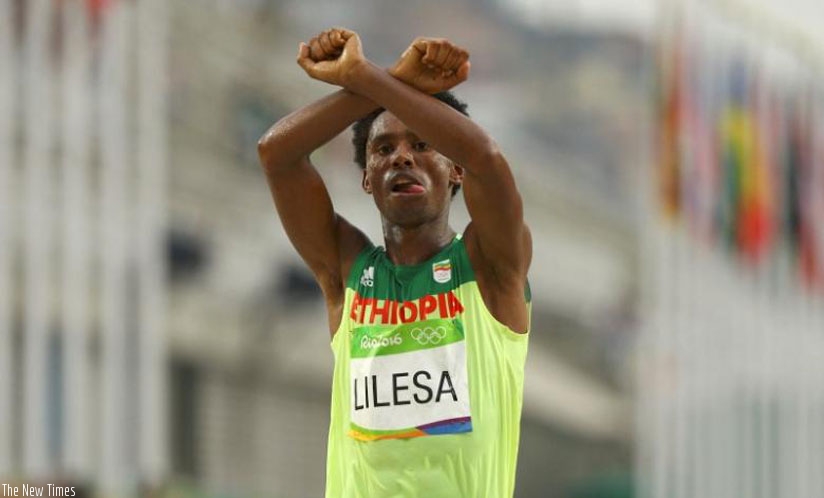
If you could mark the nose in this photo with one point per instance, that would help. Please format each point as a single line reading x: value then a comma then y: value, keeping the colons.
x: 402, y: 157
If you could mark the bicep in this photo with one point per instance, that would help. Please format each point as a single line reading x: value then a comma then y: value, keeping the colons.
x: 496, y: 210
x: 325, y: 241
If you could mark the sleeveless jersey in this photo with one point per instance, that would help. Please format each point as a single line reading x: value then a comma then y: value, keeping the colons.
x: 427, y: 387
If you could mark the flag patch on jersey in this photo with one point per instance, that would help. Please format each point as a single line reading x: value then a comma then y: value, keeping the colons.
x: 442, y: 271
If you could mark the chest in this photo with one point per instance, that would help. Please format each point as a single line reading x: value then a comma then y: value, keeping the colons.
x: 388, y: 295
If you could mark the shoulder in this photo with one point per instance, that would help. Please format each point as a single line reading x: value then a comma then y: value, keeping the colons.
x: 333, y: 273
x: 502, y: 284
x: 352, y: 243
x: 353, y: 261
x: 361, y: 266
x: 501, y: 271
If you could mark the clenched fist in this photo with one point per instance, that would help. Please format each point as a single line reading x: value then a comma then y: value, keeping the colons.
x: 432, y: 65
x: 332, y: 56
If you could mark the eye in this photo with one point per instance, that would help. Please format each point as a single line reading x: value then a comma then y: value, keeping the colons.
x: 384, y: 149
x: 420, y: 146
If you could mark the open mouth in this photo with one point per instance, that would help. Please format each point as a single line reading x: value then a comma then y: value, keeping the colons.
x: 407, y: 186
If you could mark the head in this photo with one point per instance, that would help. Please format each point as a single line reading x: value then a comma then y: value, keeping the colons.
x: 409, y: 181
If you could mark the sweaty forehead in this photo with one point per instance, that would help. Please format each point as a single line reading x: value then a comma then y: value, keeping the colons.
x: 387, y: 124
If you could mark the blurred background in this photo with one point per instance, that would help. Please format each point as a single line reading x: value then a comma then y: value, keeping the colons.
x: 160, y: 337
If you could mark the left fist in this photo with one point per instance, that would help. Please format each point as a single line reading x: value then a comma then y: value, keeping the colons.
x: 432, y: 65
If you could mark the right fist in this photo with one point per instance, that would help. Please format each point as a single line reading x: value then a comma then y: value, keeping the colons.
x: 432, y: 65
x: 328, y: 45
x: 331, y: 56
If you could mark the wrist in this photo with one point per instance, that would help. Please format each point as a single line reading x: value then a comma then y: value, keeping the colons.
x: 392, y: 71
x: 358, y: 75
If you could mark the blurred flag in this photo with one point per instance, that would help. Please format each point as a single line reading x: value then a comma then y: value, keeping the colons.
x: 784, y: 187
x: 755, y: 226
x: 96, y: 9
x: 808, y: 253
x: 735, y: 134
x: 744, y: 207
x: 816, y: 193
x: 690, y: 131
x: 772, y: 136
x: 670, y: 101
x: 703, y: 141
x: 799, y: 220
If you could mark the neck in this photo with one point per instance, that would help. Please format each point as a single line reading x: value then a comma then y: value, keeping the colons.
x: 413, y: 245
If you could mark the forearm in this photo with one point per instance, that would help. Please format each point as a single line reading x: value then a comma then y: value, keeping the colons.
x: 297, y: 135
x: 448, y: 131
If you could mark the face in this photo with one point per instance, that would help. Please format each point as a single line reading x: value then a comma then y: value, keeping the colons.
x: 410, y: 182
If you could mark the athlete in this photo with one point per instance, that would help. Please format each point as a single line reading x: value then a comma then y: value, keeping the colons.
x: 429, y: 334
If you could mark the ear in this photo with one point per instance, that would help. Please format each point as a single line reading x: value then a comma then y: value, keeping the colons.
x: 456, y: 175
x: 365, y: 183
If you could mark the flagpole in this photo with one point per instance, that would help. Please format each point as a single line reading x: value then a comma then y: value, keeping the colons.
x: 37, y: 241
x: 818, y: 329
x: 152, y: 160
x: 647, y: 363
x: 115, y: 159
x: 8, y: 72
x: 766, y: 119
x: 805, y: 305
x: 679, y: 285
x: 791, y: 463
x: 76, y: 234
x: 750, y: 260
x: 710, y: 350
x: 729, y: 373
x: 663, y: 446
x: 817, y: 296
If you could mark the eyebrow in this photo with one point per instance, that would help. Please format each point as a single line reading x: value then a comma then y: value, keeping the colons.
x: 383, y: 137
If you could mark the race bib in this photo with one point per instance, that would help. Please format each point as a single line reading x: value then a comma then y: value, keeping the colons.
x: 409, y: 380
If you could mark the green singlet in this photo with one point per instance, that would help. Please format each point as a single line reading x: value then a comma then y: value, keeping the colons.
x: 428, y: 385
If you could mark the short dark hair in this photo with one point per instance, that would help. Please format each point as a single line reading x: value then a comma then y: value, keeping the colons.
x: 362, y: 127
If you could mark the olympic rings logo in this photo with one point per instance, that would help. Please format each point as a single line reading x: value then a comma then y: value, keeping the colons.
x: 428, y: 335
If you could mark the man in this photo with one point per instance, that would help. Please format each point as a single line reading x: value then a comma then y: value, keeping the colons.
x: 429, y: 334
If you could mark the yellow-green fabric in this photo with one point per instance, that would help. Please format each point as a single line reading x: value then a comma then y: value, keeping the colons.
x: 479, y: 459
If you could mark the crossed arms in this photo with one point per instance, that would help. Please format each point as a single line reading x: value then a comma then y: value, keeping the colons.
x: 497, y: 239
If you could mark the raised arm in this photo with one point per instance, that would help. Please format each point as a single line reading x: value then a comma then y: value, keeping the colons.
x: 325, y: 241
x: 497, y: 230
